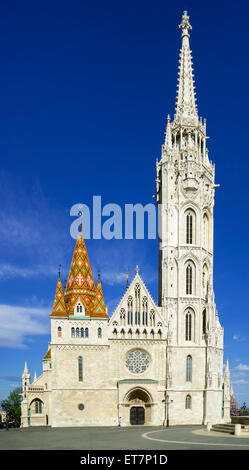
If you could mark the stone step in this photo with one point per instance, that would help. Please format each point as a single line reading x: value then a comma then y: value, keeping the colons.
x: 228, y: 428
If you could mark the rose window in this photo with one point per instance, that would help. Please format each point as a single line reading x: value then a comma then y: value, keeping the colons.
x: 137, y: 362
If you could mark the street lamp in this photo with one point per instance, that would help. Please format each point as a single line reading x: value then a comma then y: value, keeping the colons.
x: 168, y: 402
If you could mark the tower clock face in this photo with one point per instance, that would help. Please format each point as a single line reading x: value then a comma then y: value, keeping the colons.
x: 137, y: 361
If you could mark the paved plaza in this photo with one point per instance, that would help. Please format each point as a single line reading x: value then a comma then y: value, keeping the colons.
x: 114, y: 438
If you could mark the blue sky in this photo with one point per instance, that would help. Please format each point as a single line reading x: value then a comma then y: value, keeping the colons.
x: 85, y: 89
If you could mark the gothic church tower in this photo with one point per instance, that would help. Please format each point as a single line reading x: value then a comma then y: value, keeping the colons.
x: 185, y: 197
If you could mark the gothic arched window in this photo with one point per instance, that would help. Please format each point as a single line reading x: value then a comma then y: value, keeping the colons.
x: 190, y: 226
x: 189, y: 369
x: 145, y: 311
x: 188, y: 402
x: 38, y: 406
x: 86, y: 332
x: 130, y: 313
x: 82, y: 332
x: 188, y: 325
x: 59, y: 331
x: 73, y: 332
x: 99, y: 333
x: 189, y: 279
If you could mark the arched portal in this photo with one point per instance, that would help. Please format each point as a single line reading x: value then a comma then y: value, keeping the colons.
x: 139, y: 404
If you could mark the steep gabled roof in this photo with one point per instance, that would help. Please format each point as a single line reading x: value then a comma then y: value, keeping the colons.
x: 99, y: 309
x: 80, y: 282
x: 59, y: 307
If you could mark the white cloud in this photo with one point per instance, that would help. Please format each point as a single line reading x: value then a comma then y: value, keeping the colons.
x: 242, y: 367
x: 238, y: 338
x: 240, y: 381
x: 18, y: 322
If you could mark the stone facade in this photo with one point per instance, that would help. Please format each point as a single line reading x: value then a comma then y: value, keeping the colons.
x: 147, y: 363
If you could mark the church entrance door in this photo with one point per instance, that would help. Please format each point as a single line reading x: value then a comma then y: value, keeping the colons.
x: 137, y: 415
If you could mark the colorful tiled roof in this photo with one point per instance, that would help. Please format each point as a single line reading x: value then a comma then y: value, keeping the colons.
x: 80, y: 282
x: 99, y: 309
x: 59, y: 307
x: 47, y: 355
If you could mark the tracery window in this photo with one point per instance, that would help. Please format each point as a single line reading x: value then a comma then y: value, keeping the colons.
x: 137, y: 361
x: 38, y: 406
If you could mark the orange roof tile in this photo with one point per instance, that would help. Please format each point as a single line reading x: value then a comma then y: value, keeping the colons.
x: 80, y: 282
x: 59, y: 307
x: 99, y: 309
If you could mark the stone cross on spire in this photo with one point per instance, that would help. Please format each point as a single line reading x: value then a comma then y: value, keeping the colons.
x: 186, y: 109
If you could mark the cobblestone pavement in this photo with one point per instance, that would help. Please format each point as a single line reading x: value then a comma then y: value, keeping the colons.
x: 112, y: 438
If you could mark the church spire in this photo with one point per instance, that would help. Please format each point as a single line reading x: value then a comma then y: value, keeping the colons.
x: 59, y: 307
x: 80, y: 283
x: 186, y: 109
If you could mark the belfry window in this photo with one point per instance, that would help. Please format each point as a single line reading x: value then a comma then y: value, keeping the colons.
x: 59, y: 331
x: 189, y: 276
x: 188, y: 326
x: 99, y: 333
x: 189, y: 228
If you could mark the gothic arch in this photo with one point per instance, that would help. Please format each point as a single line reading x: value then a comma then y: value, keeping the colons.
x: 189, y: 324
x: 138, y: 391
x: 190, y: 276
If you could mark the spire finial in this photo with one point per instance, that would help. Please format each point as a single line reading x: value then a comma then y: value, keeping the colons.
x: 185, y: 25
x: 59, y: 271
x: 80, y: 226
x: 127, y: 278
x: 98, y: 274
x: 137, y: 269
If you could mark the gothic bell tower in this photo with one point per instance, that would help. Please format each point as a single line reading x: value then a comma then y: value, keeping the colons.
x: 185, y: 197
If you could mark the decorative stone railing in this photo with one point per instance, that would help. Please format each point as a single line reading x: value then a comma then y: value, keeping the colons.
x: 36, y: 389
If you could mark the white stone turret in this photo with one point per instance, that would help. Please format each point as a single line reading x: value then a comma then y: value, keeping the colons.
x: 24, y: 404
